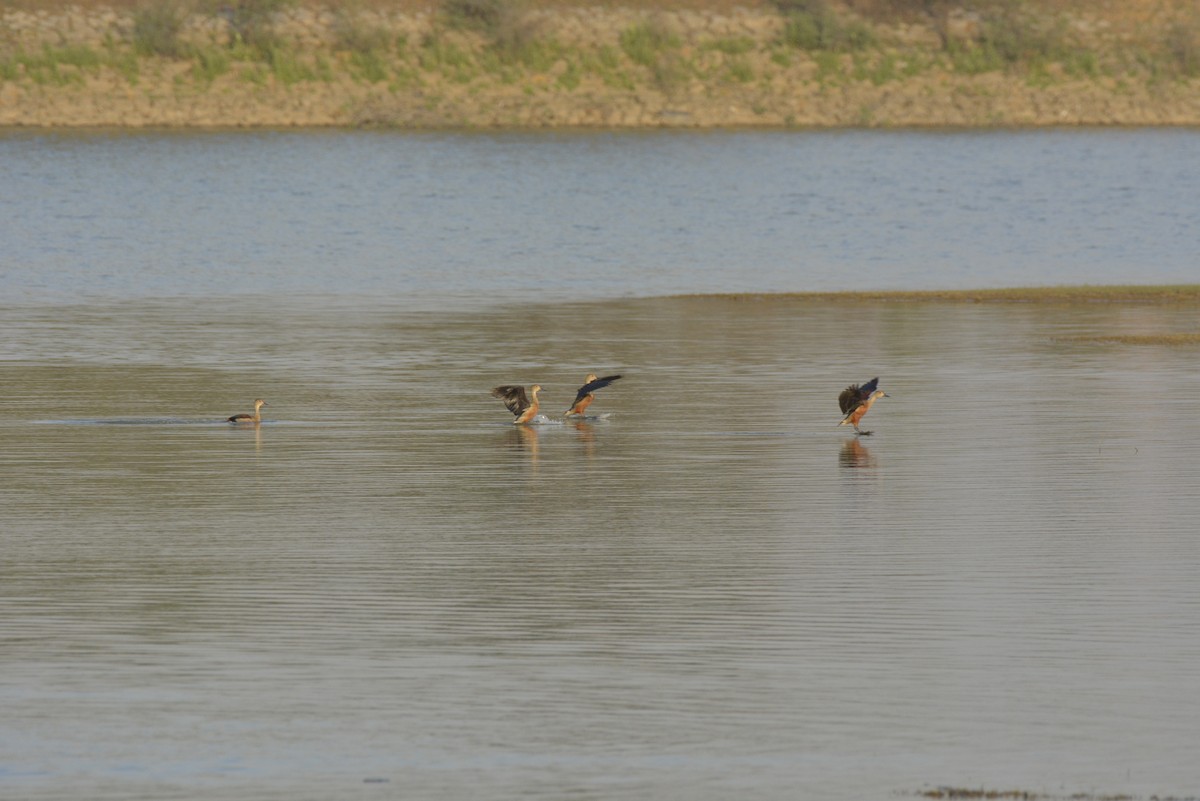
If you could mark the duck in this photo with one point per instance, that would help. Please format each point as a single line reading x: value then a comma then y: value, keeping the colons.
x: 249, y: 418
x: 585, y: 395
x: 856, y: 401
x: 524, y: 407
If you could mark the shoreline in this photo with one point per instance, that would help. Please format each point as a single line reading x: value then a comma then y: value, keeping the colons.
x: 1116, y: 294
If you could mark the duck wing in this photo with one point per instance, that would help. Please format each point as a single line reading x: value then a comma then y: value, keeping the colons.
x: 514, y: 398
x: 592, y: 386
x: 849, y: 398
x: 853, y: 395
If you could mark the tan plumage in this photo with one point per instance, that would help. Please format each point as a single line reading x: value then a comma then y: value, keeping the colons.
x: 249, y: 418
x: 856, y: 401
x: 585, y: 395
x: 524, y: 407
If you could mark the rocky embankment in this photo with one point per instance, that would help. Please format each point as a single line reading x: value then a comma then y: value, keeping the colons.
x: 565, y: 67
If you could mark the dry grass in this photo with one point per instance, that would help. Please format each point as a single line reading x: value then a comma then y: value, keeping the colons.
x: 796, y: 63
x: 1117, y: 12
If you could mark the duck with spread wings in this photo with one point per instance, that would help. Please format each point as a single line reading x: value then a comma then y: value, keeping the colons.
x: 524, y: 407
x: 856, y: 401
x: 586, y: 394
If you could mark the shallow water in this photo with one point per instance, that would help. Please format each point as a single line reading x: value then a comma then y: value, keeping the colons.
x: 386, y: 589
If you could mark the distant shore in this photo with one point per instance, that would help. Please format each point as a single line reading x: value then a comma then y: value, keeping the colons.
x: 1180, y: 294
x: 486, y: 64
x: 1186, y: 295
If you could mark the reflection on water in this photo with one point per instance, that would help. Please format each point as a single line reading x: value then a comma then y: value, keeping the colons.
x: 713, y: 593
x: 524, y: 439
x: 855, y: 455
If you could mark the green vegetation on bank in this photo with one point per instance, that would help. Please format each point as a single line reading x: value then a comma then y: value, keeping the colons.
x: 505, y: 41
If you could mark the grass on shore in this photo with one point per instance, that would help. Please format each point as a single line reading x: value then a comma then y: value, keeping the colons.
x: 474, y: 39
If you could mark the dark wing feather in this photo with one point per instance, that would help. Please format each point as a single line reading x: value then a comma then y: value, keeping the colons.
x: 853, y: 395
x: 592, y: 386
x: 514, y: 398
x: 849, y: 399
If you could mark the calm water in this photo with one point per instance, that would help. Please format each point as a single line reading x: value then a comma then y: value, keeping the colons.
x: 566, y: 217
x: 388, y: 591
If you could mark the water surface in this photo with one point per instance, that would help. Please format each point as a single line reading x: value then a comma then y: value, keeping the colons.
x: 449, y: 218
x: 387, y: 589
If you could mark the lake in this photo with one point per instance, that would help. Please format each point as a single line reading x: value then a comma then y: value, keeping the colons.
x: 710, y: 591
x: 522, y: 217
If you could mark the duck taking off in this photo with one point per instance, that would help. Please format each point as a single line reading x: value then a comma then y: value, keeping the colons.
x: 525, y: 407
x: 585, y: 396
x: 250, y: 418
x: 856, y: 401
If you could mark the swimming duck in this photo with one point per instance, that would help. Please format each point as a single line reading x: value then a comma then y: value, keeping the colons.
x: 250, y: 418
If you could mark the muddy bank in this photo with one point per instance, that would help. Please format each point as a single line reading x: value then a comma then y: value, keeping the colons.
x: 558, y: 67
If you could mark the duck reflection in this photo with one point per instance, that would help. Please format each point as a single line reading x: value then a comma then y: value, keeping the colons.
x: 585, y: 434
x: 524, y: 438
x: 855, y: 455
x: 248, y: 427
